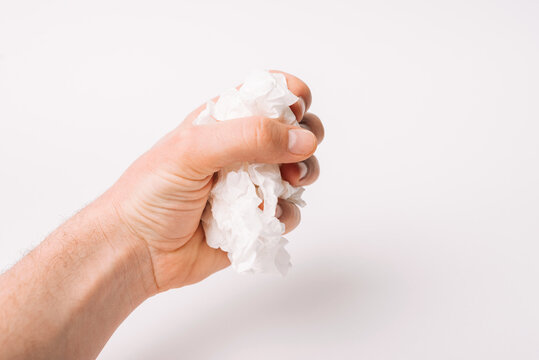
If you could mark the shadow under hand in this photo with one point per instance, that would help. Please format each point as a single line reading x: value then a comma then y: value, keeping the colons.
x: 269, y: 313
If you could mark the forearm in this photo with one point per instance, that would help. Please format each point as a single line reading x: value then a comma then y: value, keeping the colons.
x: 65, y: 298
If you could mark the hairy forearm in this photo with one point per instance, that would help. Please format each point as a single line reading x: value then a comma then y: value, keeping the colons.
x: 66, y: 297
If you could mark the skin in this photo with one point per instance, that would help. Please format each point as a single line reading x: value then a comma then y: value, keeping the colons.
x: 143, y: 236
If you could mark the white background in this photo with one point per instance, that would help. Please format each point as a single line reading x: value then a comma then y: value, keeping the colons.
x: 420, y: 240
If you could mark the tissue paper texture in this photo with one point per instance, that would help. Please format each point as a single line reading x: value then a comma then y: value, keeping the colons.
x: 232, y: 219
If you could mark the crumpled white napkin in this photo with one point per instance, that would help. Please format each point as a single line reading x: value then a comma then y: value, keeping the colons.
x: 232, y: 219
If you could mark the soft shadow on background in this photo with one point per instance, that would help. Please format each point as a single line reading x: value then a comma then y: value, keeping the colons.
x: 318, y: 295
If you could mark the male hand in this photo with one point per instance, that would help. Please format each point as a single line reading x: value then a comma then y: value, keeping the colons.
x: 159, y: 200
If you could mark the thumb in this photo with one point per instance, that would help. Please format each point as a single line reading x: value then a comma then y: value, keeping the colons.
x: 252, y: 139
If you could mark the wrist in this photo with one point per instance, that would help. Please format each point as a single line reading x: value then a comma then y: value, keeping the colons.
x: 75, y: 288
x: 129, y: 254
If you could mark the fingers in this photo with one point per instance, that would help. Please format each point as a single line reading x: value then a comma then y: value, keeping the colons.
x: 289, y: 214
x: 305, y: 172
x: 313, y: 123
x: 302, y: 173
x: 211, y: 147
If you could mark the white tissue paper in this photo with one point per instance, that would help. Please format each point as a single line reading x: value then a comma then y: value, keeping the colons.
x: 232, y: 220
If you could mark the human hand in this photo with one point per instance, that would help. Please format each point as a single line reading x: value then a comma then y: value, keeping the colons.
x: 159, y: 200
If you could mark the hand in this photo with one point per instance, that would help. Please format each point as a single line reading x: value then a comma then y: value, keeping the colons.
x: 160, y: 198
x: 67, y: 296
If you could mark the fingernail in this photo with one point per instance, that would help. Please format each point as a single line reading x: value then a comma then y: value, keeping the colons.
x: 302, y: 169
x: 300, y: 141
x: 278, y: 211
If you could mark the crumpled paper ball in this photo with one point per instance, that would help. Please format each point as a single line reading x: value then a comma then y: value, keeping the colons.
x: 232, y: 219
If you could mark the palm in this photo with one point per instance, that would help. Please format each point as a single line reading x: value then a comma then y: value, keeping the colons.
x: 165, y: 212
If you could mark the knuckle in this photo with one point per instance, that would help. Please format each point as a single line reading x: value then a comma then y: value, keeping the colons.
x: 185, y: 144
x: 265, y: 132
x: 185, y: 138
